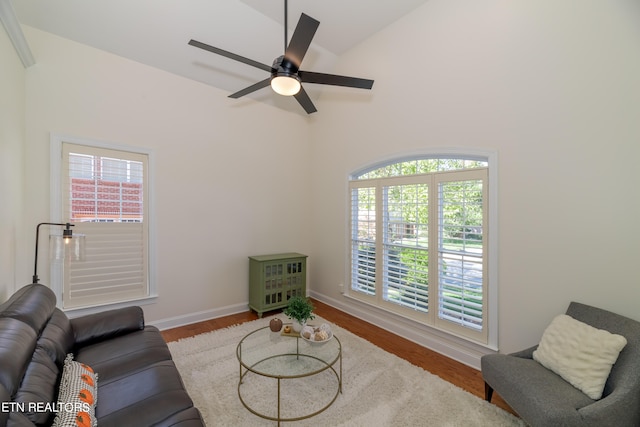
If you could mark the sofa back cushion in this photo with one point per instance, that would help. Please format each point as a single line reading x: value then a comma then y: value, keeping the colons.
x: 626, y: 370
x: 17, y: 343
x: 35, y: 338
x: 32, y: 304
x: 9, y: 417
x: 4, y: 397
x: 57, y: 337
x: 39, y: 386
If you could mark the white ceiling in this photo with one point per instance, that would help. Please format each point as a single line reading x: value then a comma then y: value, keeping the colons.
x: 156, y: 32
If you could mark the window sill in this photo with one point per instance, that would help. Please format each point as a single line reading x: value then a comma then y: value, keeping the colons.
x: 443, y: 342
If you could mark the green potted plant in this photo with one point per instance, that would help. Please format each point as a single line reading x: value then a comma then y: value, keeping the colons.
x: 299, y: 310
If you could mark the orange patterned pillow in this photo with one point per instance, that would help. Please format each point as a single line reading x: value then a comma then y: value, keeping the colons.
x: 77, y: 396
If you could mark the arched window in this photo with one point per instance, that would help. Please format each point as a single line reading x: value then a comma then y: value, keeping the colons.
x: 419, y: 239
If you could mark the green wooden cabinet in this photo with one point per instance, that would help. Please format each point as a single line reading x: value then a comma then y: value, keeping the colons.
x: 273, y: 279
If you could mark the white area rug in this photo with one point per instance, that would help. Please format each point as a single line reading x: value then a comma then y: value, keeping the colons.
x: 379, y: 388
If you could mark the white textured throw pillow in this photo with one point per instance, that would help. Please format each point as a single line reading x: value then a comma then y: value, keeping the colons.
x: 579, y: 353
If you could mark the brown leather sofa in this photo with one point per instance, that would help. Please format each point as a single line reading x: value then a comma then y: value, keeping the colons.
x: 138, y: 383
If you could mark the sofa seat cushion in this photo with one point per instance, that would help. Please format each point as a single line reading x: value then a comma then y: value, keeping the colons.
x: 139, y: 383
x: 153, y: 395
x: 533, y: 391
x: 188, y: 418
x: 123, y: 355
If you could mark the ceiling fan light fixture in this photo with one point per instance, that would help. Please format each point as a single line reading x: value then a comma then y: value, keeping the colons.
x: 285, y: 84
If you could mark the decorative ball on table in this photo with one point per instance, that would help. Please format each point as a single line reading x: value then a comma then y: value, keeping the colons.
x: 275, y: 325
x: 317, y: 334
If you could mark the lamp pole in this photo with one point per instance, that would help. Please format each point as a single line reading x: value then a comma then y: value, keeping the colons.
x: 67, y: 234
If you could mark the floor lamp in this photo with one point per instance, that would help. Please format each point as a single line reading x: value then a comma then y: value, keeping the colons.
x: 66, y: 246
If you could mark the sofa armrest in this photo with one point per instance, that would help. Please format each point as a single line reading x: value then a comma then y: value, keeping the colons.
x: 106, y: 324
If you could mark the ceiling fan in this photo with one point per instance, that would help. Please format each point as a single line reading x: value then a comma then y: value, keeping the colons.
x: 286, y: 76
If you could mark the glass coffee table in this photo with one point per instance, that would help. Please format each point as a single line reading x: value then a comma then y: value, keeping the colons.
x: 284, y: 377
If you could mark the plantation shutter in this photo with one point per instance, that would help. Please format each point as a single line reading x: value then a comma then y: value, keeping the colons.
x: 462, y: 204
x: 105, y: 195
x: 405, y: 244
x: 363, y: 239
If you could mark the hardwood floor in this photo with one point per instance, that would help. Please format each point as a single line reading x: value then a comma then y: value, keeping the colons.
x: 450, y: 370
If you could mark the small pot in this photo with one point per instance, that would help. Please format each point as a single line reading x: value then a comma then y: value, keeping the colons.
x: 275, y: 325
x: 297, y: 326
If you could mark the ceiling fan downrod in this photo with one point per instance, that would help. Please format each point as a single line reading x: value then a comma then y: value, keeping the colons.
x: 286, y: 24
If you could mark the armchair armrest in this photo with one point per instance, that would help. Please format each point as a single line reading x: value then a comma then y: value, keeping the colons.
x: 526, y: 353
x: 107, y: 324
x: 611, y: 410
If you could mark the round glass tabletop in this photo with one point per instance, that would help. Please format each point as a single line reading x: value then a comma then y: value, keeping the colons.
x: 279, y: 355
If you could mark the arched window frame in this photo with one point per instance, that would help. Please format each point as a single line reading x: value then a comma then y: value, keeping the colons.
x: 489, y: 337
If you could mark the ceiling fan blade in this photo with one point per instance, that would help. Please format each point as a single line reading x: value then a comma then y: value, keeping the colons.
x: 230, y: 55
x: 252, y: 88
x: 301, y: 39
x: 332, y: 79
x: 305, y: 101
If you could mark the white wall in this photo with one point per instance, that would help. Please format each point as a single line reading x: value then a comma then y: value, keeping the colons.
x: 228, y: 184
x: 12, y: 88
x: 552, y: 87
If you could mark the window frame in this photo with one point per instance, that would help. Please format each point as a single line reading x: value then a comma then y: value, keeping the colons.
x: 57, y: 215
x: 490, y: 340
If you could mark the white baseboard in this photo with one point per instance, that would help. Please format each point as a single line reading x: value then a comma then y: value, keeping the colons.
x: 200, y: 316
x: 452, y: 347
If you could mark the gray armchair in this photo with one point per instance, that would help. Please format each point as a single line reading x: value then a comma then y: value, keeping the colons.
x: 542, y: 398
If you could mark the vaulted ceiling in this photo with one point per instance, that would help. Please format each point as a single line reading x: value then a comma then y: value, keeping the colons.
x: 156, y: 32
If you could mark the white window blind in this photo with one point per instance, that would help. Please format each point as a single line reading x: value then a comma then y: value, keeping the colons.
x: 461, y: 260
x: 418, y: 242
x: 363, y: 246
x: 405, y: 245
x: 105, y: 195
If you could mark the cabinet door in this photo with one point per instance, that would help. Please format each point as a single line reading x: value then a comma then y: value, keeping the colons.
x: 274, y: 283
x: 296, y: 277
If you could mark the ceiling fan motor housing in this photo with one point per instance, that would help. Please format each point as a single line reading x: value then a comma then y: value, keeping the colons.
x: 284, y: 68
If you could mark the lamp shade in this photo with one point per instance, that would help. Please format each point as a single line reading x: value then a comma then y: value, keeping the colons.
x: 65, y: 248
x: 61, y: 247
x: 287, y: 85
